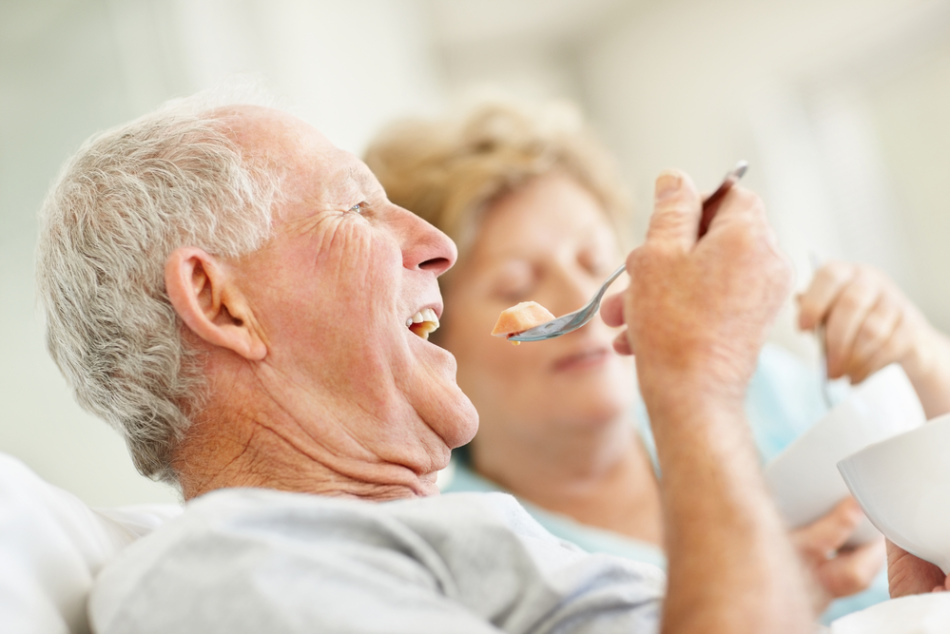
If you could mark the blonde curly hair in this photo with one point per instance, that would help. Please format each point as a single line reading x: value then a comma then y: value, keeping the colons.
x: 449, y: 170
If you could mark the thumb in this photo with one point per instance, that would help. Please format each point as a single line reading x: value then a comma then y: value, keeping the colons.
x: 677, y: 208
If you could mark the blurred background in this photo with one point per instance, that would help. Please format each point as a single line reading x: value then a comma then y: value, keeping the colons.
x: 842, y: 108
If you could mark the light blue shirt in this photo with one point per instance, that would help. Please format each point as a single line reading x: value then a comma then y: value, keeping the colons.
x: 783, y: 400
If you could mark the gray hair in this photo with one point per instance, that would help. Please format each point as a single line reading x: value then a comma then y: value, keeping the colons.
x: 120, y: 206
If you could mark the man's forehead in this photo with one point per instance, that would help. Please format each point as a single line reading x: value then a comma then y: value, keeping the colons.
x: 299, y: 150
x: 261, y: 130
x: 351, y: 173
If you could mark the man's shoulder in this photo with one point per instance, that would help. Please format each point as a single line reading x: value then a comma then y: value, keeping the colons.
x: 269, y: 522
x: 288, y: 555
x: 231, y: 542
x: 268, y: 504
x: 247, y: 514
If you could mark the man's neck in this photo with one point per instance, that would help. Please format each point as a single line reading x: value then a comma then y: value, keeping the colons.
x: 260, y: 444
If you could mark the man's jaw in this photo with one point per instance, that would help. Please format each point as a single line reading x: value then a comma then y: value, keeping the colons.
x: 440, y: 405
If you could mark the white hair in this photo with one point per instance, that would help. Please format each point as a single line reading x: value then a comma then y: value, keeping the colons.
x: 120, y: 206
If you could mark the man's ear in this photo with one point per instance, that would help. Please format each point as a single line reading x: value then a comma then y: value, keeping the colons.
x: 211, y: 304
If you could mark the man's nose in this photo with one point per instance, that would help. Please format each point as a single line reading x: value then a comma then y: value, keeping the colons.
x: 423, y: 246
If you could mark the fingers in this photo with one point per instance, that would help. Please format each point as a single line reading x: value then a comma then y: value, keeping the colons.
x: 676, y: 214
x: 611, y: 311
x: 676, y: 211
x: 907, y: 574
x: 825, y: 286
x: 680, y: 286
x: 830, y: 532
x: 852, y: 571
x: 850, y: 310
x: 879, y: 341
x: 622, y: 344
x: 868, y: 322
x: 839, y: 572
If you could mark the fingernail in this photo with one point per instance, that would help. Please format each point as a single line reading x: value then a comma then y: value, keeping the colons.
x: 667, y: 184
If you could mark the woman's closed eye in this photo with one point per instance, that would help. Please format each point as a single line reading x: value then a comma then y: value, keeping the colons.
x: 514, y: 295
x: 598, y: 261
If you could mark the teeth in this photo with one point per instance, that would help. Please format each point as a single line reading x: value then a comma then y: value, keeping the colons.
x: 426, y: 314
x: 423, y: 322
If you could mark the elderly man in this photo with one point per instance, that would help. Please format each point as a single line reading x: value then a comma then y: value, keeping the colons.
x: 239, y: 298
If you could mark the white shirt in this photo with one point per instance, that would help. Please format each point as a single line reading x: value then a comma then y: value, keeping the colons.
x: 255, y: 560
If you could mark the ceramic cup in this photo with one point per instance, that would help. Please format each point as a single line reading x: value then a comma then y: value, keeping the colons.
x: 804, y: 479
x: 903, y: 485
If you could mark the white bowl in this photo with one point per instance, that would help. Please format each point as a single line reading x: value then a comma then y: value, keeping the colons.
x: 803, y: 478
x: 903, y: 485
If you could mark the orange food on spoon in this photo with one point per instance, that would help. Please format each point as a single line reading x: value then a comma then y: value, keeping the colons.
x: 519, y: 318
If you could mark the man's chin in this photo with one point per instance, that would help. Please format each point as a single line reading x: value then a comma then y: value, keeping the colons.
x: 470, y: 425
x: 440, y: 402
x: 449, y: 413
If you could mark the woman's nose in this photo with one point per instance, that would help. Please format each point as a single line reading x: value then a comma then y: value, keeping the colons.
x: 571, y: 290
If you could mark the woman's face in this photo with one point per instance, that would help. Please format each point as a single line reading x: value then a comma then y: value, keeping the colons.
x: 550, y: 242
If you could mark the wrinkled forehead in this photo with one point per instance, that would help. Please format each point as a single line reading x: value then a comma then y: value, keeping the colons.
x: 309, y: 166
x: 276, y: 138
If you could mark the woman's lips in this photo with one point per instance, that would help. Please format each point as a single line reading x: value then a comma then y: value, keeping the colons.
x: 582, y: 359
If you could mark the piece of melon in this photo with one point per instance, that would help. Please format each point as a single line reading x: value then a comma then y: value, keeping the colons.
x: 519, y: 318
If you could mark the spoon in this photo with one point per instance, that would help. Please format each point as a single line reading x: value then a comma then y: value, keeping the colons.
x: 572, y: 321
x: 822, y: 344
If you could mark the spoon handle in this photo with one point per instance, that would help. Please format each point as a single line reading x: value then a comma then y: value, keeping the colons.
x: 822, y: 343
x: 711, y: 204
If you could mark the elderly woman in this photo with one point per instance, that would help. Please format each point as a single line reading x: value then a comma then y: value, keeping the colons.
x: 534, y: 204
x: 239, y: 298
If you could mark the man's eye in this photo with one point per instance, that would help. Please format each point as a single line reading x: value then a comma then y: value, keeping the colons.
x: 358, y: 207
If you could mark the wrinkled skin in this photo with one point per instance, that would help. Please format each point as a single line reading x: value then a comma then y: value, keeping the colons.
x: 317, y: 382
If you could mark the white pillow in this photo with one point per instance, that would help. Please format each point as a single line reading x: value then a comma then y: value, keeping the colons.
x: 52, y: 545
x: 912, y: 614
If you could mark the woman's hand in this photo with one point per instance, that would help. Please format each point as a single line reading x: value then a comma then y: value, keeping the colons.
x: 837, y: 571
x: 869, y: 323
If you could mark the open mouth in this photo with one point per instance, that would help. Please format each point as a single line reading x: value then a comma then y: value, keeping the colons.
x: 423, y: 322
